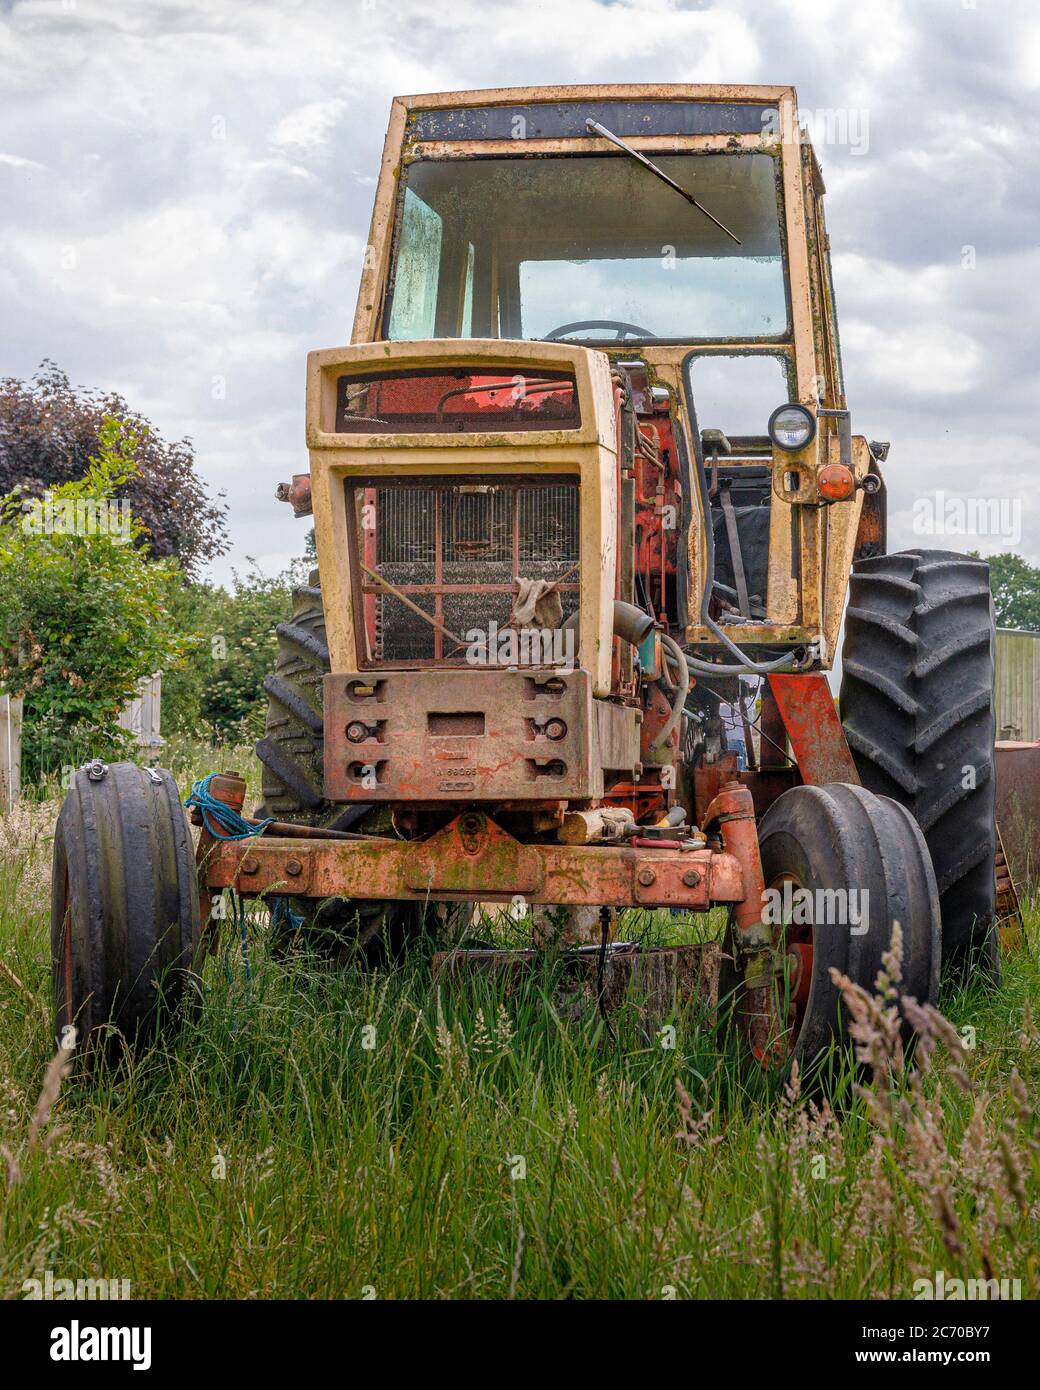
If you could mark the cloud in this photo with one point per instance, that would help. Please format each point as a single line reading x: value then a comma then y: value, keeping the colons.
x: 14, y: 161
x: 308, y: 125
x: 191, y: 181
x: 921, y: 361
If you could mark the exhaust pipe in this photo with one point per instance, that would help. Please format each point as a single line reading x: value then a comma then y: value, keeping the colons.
x: 631, y: 624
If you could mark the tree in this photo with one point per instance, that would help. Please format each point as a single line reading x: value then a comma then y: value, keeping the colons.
x: 1016, y: 592
x: 84, y: 613
x: 49, y: 432
x: 219, y: 690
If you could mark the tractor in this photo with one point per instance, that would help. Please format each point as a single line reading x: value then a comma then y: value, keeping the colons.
x: 591, y: 522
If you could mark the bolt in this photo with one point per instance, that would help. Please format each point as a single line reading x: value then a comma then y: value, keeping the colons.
x: 356, y: 731
x: 646, y: 877
x: 250, y: 866
x: 555, y: 729
x: 691, y: 878
x: 293, y: 868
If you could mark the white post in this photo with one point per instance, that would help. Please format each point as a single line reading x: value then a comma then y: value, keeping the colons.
x: 10, y: 752
x: 141, y: 715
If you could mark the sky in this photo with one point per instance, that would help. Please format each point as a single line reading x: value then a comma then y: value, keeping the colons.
x: 186, y: 185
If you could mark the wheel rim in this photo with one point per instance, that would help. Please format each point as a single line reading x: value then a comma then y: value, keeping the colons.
x: 793, y: 944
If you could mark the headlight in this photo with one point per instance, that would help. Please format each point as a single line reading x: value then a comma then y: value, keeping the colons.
x: 792, y: 426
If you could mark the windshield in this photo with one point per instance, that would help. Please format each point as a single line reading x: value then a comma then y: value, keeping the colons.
x: 589, y: 248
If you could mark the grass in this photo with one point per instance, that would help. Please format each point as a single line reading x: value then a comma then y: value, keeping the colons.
x: 318, y: 1133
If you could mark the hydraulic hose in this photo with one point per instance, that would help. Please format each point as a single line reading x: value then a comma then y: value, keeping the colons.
x: 678, y: 704
x: 709, y: 668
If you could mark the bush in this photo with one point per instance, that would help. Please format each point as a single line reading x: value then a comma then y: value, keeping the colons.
x: 1016, y: 592
x: 84, y: 613
x: 219, y: 691
x: 50, y: 431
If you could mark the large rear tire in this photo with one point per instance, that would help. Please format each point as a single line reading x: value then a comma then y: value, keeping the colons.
x: 292, y: 753
x: 124, y: 910
x: 292, y: 750
x: 918, y: 709
x: 833, y: 842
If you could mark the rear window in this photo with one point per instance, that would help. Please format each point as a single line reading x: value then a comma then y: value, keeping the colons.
x: 456, y: 400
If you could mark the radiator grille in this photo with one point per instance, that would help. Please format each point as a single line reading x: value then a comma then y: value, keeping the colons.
x: 457, y: 551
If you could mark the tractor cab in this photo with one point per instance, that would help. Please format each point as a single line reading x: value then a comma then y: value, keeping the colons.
x: 675, y: 237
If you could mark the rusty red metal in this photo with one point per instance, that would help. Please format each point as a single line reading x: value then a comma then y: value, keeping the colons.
x: 1018, y: 809
x: 297, y: 493
x: 813, y: 725
x: 800, y: 956
x: 474, y: 858
x: 453, y: 735
x: 733, y: 810
x: 765, y: 785
x: 1010, y: 926
x: 772, y: 751
x: 230, y: 788
x: 646, y: 799
x: 438, y: 400
x: 657, y: 711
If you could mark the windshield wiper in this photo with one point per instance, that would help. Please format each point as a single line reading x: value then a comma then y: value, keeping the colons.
x: 590, y: 124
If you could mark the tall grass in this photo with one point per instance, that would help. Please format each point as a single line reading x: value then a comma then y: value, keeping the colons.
x: 321, y: 1133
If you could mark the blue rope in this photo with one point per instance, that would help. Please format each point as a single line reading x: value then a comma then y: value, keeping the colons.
x: 219, y: 819
x: 226, y: 824
x: 282, y: 911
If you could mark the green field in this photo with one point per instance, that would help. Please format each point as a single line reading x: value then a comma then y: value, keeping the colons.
x: 462, y: 1149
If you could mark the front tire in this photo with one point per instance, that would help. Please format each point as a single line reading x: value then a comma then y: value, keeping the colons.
x: 833, y: 842
x: 124, y: 910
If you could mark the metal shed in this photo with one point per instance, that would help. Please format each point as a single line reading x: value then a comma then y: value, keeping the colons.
x: 1018, y: 685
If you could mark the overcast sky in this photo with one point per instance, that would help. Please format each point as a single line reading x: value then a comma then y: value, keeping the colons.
x: 185, y: 188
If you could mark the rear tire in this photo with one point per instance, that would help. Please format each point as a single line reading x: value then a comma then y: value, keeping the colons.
x: 124, y: 910
x: 838, y: 838
x: 918, y: 709
x: 292, y: 752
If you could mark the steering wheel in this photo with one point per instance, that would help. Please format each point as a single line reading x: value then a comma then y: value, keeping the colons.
x: 624, y: 330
